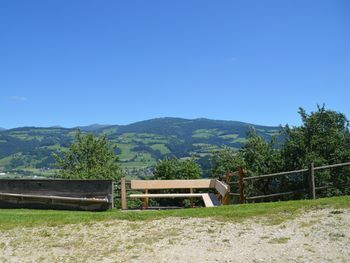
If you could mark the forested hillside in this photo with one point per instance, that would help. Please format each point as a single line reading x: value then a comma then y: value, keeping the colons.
x: 140, y: 144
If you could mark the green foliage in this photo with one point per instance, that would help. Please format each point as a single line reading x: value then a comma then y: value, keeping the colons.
x: 174, y: 168
x: 257, y: 155
x: 89, y: 157
x: 226, y: 160
x: 260, y: 156
x: 323, y: 138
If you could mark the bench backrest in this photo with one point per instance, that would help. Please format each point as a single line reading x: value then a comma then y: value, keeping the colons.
x: 172, y: 184
x: 221, y: 187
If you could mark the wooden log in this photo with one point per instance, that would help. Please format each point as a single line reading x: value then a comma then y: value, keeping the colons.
x: 275, y: 174
x: 234, y: 194
x: 241, y: 185
x: 331, y: 166
x: 123, y: 193
x: 311, y: 182
x: 274, y: 195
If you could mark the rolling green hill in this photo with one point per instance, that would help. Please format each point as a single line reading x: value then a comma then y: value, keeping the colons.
x: 140, y: 144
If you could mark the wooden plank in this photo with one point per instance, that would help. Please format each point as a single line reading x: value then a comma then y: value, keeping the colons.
x: 221, y: 187
x: 172, y: 184
x: 214, y: 199
x: 207, y: 200
x: 210, y: 200
x: 165, y: 195
x: 51, y: 197
x: 56, y: 194
x: 58, y: 187
x: 62, y: 204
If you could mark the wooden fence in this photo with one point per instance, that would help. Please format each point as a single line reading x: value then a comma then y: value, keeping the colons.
x: 241, y: 181
x: 310, y: 188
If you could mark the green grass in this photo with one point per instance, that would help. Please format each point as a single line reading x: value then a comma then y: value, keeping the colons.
x: 204, y: 133
x: 241, y: 140
x: 161, y: 147
x: 229, y: 136
x: 126, y: 152
x: 272, y: 213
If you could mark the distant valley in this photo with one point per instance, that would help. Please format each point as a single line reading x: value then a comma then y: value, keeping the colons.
x: 29, y: 150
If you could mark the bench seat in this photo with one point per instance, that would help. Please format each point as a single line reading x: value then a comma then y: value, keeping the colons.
x: 209, y: 199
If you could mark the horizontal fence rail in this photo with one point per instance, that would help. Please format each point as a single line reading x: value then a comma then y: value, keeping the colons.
x: 277, y: 194
x: 331, y: 166
x: 275, y: 174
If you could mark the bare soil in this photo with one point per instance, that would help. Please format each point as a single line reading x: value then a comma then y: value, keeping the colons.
x: 321, y: 235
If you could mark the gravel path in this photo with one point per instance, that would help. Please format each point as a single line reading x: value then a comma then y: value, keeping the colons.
x: 316, y: 236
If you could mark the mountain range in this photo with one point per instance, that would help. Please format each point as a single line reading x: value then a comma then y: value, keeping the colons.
x: 140, y: 144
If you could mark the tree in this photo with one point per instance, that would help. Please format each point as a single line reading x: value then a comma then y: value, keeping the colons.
x: 170, y: 169
x: 323, y: 138
x: 89, y: 157
x: 226, y: 160
x: 259, y: 155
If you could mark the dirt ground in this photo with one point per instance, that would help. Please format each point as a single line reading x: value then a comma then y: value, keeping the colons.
x: 315, y: 236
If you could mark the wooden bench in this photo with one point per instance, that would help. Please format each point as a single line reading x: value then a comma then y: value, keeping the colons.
x: 209, y: 199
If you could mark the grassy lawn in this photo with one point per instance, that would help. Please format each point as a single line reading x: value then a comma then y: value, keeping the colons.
x: 271, y: 213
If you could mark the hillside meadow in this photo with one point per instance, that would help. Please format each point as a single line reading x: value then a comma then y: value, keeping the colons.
x: 29, y: 151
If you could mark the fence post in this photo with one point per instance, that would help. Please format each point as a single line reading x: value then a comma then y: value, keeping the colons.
x: 145, y: 200
x: 241, y: 185
x: 311, y: 181
x: 123, y: 193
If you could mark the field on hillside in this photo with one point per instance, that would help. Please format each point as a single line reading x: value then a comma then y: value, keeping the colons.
x: 27, y: 151
x: 293, y: 231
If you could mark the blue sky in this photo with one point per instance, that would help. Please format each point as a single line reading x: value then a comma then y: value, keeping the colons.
x: 76, y: 62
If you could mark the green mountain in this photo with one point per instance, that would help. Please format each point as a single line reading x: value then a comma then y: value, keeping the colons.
x: 140, y: 144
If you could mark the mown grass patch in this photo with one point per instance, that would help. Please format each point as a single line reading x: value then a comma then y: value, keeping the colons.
x: 272, y: 213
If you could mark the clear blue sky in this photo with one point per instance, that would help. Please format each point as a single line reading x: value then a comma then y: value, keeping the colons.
x: 76, y: 62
